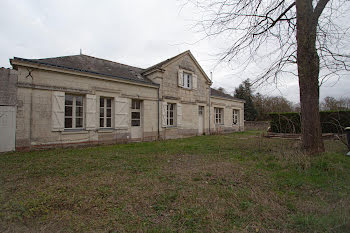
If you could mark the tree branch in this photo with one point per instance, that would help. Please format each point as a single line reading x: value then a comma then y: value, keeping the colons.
x: 319, y: 9
x: 276, y: 20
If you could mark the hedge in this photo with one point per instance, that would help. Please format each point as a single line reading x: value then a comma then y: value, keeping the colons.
x: 289, y: 122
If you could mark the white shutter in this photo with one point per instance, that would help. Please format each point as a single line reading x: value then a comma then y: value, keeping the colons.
x: 194, y: 81
x: 180, y: 77
x: 57, y: 118
x: 179, y: 114
x: 164, y: 114
x: 91, y: 121
x: 121, y: 113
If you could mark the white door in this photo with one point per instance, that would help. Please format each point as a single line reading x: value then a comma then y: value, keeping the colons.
x: 7, y: 128
x: 136, y: 120
x: 200, y: 120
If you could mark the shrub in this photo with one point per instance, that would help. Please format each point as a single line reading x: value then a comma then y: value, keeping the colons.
x: 290, y: 122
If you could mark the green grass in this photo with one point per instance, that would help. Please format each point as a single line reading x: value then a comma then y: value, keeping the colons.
x: 239, y: 182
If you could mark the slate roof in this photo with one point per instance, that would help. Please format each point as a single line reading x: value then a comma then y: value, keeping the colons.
x: 93, y: 65
x: 217, y: 93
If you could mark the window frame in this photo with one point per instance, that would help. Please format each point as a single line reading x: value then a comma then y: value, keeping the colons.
x: 105, y: 108
x: 219, y: 116
x: 74, y: 112
x: 168, y: 114
x: 200, y: 110
x: 187, y: 80
x: 235, y: 116
x: 136, y: 106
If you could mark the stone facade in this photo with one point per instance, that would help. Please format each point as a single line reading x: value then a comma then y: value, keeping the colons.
x: 38, y: 86
x: 227, y: 125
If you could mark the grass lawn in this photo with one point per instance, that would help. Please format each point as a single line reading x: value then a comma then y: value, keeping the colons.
x: 239, y: 182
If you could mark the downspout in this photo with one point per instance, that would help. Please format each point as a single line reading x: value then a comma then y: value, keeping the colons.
x: 31, y: 119
x: 158, y: 115
x: 31, y: 108
x: 209, y: 111
x: 211, y: 78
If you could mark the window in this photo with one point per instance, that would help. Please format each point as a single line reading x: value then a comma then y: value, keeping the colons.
x: 73, y: 112
x: 105, y: 112
x: 235, y: 114
x: 187, y: 80
x: 200, y: 110
x: 136, y: 113
x: 218, y: 115
x: 170, y: 114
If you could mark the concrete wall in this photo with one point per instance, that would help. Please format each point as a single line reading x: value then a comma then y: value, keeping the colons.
x: 8, y: 101
x: 8, y: 80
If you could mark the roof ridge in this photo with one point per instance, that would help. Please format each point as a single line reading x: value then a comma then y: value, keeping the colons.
x: 77, y: 55
x: 214, y: 92
x: 166, y: 60
x: 112, y: 61
x: 74, y: 55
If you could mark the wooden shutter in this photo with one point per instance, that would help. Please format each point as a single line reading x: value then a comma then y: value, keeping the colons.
x: 91, y: 120
x: 179, y: 114
x: 180, y: 77
x: 57, y: 118
x: 194, y: 81
x: 121, y: 118
x: 164, y: 114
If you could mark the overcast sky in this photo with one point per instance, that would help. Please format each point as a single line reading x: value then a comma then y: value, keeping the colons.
x: 139, y: 33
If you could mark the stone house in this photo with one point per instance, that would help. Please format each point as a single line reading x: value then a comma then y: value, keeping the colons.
x: 81, y: 99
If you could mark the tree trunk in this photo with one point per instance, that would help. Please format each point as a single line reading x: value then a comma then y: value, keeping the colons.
x: 308, y: 72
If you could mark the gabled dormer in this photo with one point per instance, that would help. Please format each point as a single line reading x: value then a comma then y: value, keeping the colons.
x: 181, y: 78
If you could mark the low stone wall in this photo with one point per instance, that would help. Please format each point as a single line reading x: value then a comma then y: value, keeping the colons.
x: 256, y: 125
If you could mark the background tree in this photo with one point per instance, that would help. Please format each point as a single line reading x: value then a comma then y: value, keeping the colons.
x: 245, y: 92
x: 289, y: 33
x: 332, y: 104
x: 222, y: 89
x: 268, y: 104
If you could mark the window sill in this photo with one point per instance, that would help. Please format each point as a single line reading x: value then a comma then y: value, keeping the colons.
x: 105, y: 130
x: 75, y: 131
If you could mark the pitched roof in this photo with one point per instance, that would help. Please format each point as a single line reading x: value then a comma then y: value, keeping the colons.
x: 93, y: 65
x: 160, y: 64
x: 217, y: 93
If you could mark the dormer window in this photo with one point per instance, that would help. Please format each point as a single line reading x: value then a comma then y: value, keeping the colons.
x: 187, y: 80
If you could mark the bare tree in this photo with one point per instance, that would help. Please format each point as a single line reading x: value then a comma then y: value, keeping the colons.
x: 268, y: 104
x: 289, y: 33
x: 332, y: 104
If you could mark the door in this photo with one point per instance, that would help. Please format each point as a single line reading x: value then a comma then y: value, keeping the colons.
x: 200, y: 120
x: 136, y: 120
x: 7, y: 128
